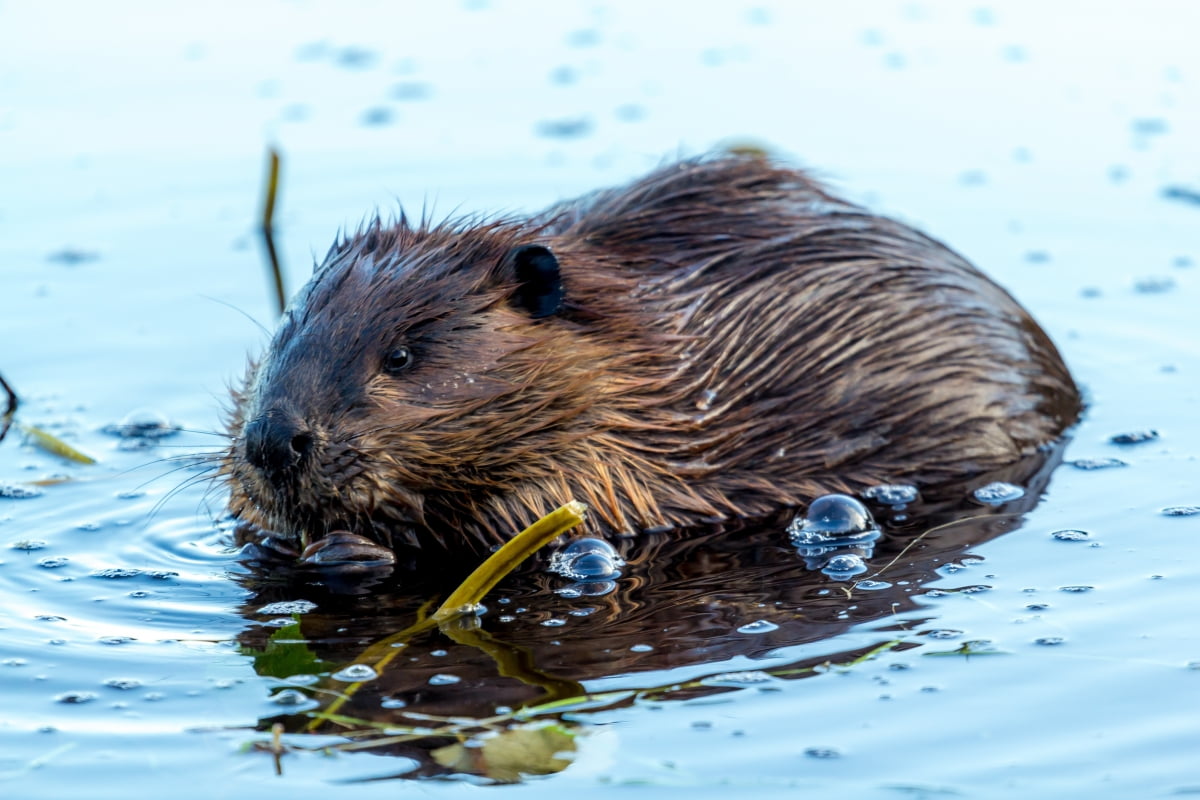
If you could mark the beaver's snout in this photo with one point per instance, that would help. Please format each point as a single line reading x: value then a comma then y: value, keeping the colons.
x: 279, y: 444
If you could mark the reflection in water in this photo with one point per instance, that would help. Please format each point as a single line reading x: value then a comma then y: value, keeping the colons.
x: 506, y: 693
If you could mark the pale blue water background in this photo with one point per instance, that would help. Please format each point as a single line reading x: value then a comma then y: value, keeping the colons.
x: 136, y: 131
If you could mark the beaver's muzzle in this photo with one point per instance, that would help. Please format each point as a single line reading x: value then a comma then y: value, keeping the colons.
x: 279, y: 444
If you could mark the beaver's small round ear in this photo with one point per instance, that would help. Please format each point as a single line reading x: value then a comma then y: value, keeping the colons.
x: 540, y: 289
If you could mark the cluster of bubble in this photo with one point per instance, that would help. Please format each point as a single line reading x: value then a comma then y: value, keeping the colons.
x: 836, y: 536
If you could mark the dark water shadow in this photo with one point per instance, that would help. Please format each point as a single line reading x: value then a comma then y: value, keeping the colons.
x: 505, y: 694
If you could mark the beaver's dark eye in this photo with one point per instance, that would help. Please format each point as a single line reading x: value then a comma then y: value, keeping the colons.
x: 397, y: 361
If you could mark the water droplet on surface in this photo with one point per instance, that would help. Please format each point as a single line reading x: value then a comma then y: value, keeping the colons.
x: 1097, y: 463
x: 758, y: 626
x: 892, y: 494
x: 641, y: 648
x: 872, y: 586
x: 288, y: 607
x: 1049, y: 640
x: 443, y: 680
x: 393, y: 702
x: 822, y: 752
x: 142, y: 423
x: 15, y: 491
x: 289, y: 697
x: 75, y: 698
x: 116, y: 572
x: 845, y: 566
x: 997, y: 493
x: 53, y: 562
x: 554, y: 622
x: 944, y: 633
x: 1071, y: 535
x: 356, y: 673
x: 123, y: 684
x: 1181, y: 511
x: 1134, y: 437
x: 587, y: 559
x: 28, y: 545
x: 1076, y: 589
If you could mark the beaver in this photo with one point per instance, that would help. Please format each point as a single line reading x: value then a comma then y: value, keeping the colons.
x: 722, y: 338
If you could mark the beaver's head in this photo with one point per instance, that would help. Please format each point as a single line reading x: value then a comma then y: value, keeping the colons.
x: 416, y: 363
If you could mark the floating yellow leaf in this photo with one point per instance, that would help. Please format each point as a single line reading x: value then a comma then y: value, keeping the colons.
x: 52, y: 444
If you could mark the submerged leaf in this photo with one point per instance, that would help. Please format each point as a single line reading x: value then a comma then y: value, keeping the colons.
x: 530, y: 750
x: 286, y: 654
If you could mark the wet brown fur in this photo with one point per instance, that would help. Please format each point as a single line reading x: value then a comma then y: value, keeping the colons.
x: 733, y: 340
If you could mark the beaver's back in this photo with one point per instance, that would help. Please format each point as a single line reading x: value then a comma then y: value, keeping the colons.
x: 816, y: 347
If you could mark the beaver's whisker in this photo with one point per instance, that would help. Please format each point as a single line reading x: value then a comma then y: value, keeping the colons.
x: 178, y: 489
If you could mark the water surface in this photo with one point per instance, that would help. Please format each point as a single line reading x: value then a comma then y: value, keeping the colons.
x: 1055, y: 146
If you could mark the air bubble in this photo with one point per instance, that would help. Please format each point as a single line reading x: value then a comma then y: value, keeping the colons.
x: 822, y: 752
x: 288, y: 607
x: 845, y: 566
x: 944, y: 633
x: 117, y: 573
x: 443, y: 679
x: 892, y: 494
x: 15, y: 491
x: 289, y: 697
x: 75, y: 698
x: 998, y: 493
x: 758, y: 626
x: 1181, y: 511
x: 587, y: 559
x: 1071, y: 535
x: 356, y: 673
x: 872, y: 586
x: 142, y: 424
x: 1097, y: 463
x: 832, y: 517
x: 1134, y: 437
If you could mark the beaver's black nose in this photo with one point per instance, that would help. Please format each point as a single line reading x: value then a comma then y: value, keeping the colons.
x: 277, y: 442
